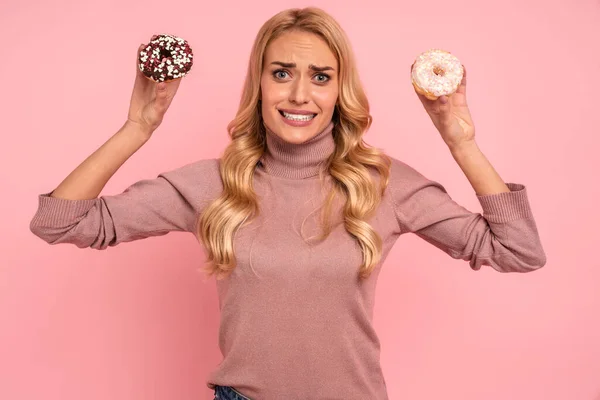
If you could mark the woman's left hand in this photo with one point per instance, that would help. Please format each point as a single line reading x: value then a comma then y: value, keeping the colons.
x: 451, y: 116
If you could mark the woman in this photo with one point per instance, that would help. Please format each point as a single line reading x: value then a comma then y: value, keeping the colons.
x: 298, y: 214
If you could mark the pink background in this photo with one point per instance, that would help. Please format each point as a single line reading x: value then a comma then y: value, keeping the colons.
x: 138, y: 322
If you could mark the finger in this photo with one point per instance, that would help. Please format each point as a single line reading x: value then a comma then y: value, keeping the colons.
x: 166, y: 90
x: 444, y: 109
x: 162, y: 98
x: 428, y: 103
x: 161, y: 90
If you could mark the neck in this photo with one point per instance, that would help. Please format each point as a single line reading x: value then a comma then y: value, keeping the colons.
x: 297, y: 161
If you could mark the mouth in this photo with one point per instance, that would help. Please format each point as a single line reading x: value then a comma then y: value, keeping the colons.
x: 300, y: 116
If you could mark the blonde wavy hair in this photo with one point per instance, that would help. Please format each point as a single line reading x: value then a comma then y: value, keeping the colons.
x: 349, y: 166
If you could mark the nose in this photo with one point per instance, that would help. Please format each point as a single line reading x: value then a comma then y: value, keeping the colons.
x: 299, y: 93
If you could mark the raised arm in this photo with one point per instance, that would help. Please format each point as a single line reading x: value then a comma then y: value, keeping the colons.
x: 73, y: 212
x: 504, y: 236
x: 149, y: 207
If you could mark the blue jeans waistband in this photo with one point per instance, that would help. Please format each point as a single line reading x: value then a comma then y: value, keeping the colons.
x: 228, y: 393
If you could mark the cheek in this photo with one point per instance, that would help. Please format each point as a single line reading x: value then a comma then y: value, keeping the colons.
x: 325, y: 99
x: 272, y: 94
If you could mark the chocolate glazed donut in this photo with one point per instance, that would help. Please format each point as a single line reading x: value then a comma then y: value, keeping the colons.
x: 166, y: 58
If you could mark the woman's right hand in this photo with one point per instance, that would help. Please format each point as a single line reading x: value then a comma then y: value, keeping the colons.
x: 150, y: 100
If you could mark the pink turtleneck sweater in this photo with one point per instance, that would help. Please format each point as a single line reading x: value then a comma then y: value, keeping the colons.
x: 296, y: 323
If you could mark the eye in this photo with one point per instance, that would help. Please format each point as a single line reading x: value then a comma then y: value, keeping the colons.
x: 280, y: 74
x: 322, y: 78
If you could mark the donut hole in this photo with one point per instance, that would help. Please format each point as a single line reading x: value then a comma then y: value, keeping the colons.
x: 164, y: 53
x: 439, y: 70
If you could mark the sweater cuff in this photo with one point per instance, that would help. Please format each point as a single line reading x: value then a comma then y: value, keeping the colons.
x: 506, y: 206
x: 54, y: 211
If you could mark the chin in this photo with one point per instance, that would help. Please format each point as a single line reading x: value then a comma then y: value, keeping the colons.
x: 297, y: 135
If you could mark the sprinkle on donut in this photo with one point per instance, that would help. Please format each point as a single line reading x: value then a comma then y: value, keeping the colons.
x: 165, y: 58
x: 436, y: 73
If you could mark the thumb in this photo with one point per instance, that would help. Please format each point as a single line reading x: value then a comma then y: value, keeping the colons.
x: 162, y: 101
x: 445, y: 114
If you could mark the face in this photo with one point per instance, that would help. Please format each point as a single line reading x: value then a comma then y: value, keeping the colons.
x: 299, y: 86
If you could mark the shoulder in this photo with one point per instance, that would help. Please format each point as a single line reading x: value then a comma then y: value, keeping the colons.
x: 406, y: 178
x: 401, y: 171
x: 196, y: 171
x: 199, y: 181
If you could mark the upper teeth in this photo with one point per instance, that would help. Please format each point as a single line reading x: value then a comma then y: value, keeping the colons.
x: 298, y: 117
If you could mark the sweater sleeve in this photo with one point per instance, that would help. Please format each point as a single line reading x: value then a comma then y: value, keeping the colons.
x: 149, y: 207
x: 504, y: 236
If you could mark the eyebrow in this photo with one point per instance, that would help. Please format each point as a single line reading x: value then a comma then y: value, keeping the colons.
x: 311, y: 66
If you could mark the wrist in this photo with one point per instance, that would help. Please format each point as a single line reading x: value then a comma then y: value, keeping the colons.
x: 464, y: 148
x: 137, y: 130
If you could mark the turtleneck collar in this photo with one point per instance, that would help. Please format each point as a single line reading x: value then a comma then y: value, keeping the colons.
x: 297, y: 161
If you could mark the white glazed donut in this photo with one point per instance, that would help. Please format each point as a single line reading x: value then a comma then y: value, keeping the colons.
x: 436, y: 73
